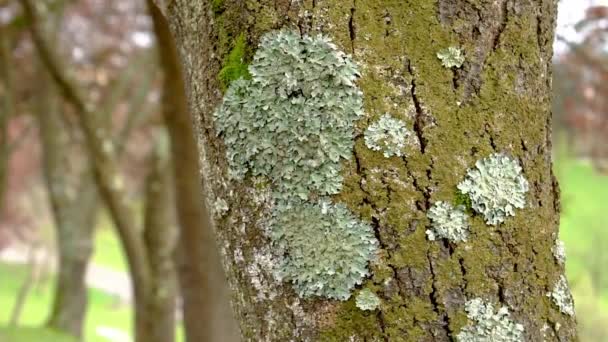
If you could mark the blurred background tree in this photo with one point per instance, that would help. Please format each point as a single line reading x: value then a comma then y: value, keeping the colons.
x: 95, y: 92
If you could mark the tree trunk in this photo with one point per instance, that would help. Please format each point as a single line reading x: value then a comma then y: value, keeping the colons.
x: 156, y: 315
x: 74, y: 204
x: 498, y: 101
x: 6, y: 79
x: 205, y: 294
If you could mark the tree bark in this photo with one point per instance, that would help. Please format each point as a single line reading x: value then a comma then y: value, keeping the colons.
x: 205, y: 294
x: 499, y: 101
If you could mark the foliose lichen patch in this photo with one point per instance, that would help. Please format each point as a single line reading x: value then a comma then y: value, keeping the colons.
x: 451, y: 57
x: 388, y: 135
x: 291, y: 124
x: 293, y: 121
x: 562, y: 297
x: 448, y: 222
x: 496, y: 187
x: 367, y: 300
x: 325, y: 248
x: 488, y: 325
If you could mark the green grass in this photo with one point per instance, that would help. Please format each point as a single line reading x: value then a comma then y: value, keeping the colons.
x: 108, y: 252
x: 584, y: 219
x: 32, y: 335
x: 584, y: 214
x: 104, y: 310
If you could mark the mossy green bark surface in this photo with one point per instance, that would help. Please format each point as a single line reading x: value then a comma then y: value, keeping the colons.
x: 498, y: 101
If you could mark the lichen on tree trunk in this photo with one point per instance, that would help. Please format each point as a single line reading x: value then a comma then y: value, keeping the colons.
x: 497, y: 102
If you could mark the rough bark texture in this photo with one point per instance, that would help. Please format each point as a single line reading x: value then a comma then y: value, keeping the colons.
x: 205, y: 298
x: 74, y: 203
x: 499, y: 101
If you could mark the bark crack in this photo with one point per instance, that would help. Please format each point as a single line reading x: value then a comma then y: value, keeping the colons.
x: 488, y: 131
x: 503, y: 17
x: 445, y: 323
x: 351, y: 27
x: 419, y: 120
x: 376, y: 227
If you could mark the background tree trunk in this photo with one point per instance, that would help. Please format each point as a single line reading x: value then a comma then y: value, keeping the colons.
x: 157, y: 323
x: 74, y: 205
x: 6, y: 78
x: 499, y: 101
x: 205, y: 294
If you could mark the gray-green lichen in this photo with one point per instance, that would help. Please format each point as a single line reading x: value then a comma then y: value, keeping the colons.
x: 388, y: 135
x: 448, y: 222
x: 324, y: 248
x: 367, y: 300
x: 559, y: 251
x: 451, y: 57
x: 292, y: 124
x: 489, y: 326
x: 496, y: 186
x: 293, y: 121
x: 562, y: 297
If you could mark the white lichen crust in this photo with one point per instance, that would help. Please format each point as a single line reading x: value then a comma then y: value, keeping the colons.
x: 489, y: 326
x: 367, y: 300
x: 559, y: 251
x: 324, y: 248
x: 388, y: 135
x: 293, y: 121
x: 496, y: 186
x: 451, y: 57
x: 562, y: 297
x: 448, y: 222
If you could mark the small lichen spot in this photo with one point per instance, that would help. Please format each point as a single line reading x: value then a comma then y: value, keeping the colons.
x: 489, y: 326
x: 562, y: 297
x: 388, y: 135
x: 367, y: 300
x: 559, y: 251
x: 451, y: 57
x: 496, y: 186
x: 220, y: 207
x: 448, y: 222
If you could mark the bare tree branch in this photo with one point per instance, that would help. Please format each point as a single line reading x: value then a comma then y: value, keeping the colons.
x: 101, y: 152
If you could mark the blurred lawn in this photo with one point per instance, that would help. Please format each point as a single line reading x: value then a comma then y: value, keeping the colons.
x: 31, y: 335
x: 108, y: 252
x: 104, y: 310
x: 584, y: 223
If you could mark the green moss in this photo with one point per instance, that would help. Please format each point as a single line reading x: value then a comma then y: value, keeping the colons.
x: 234, y: 66
x: 461, y: 199
x: 352, y: 321
x: 217, y: 6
